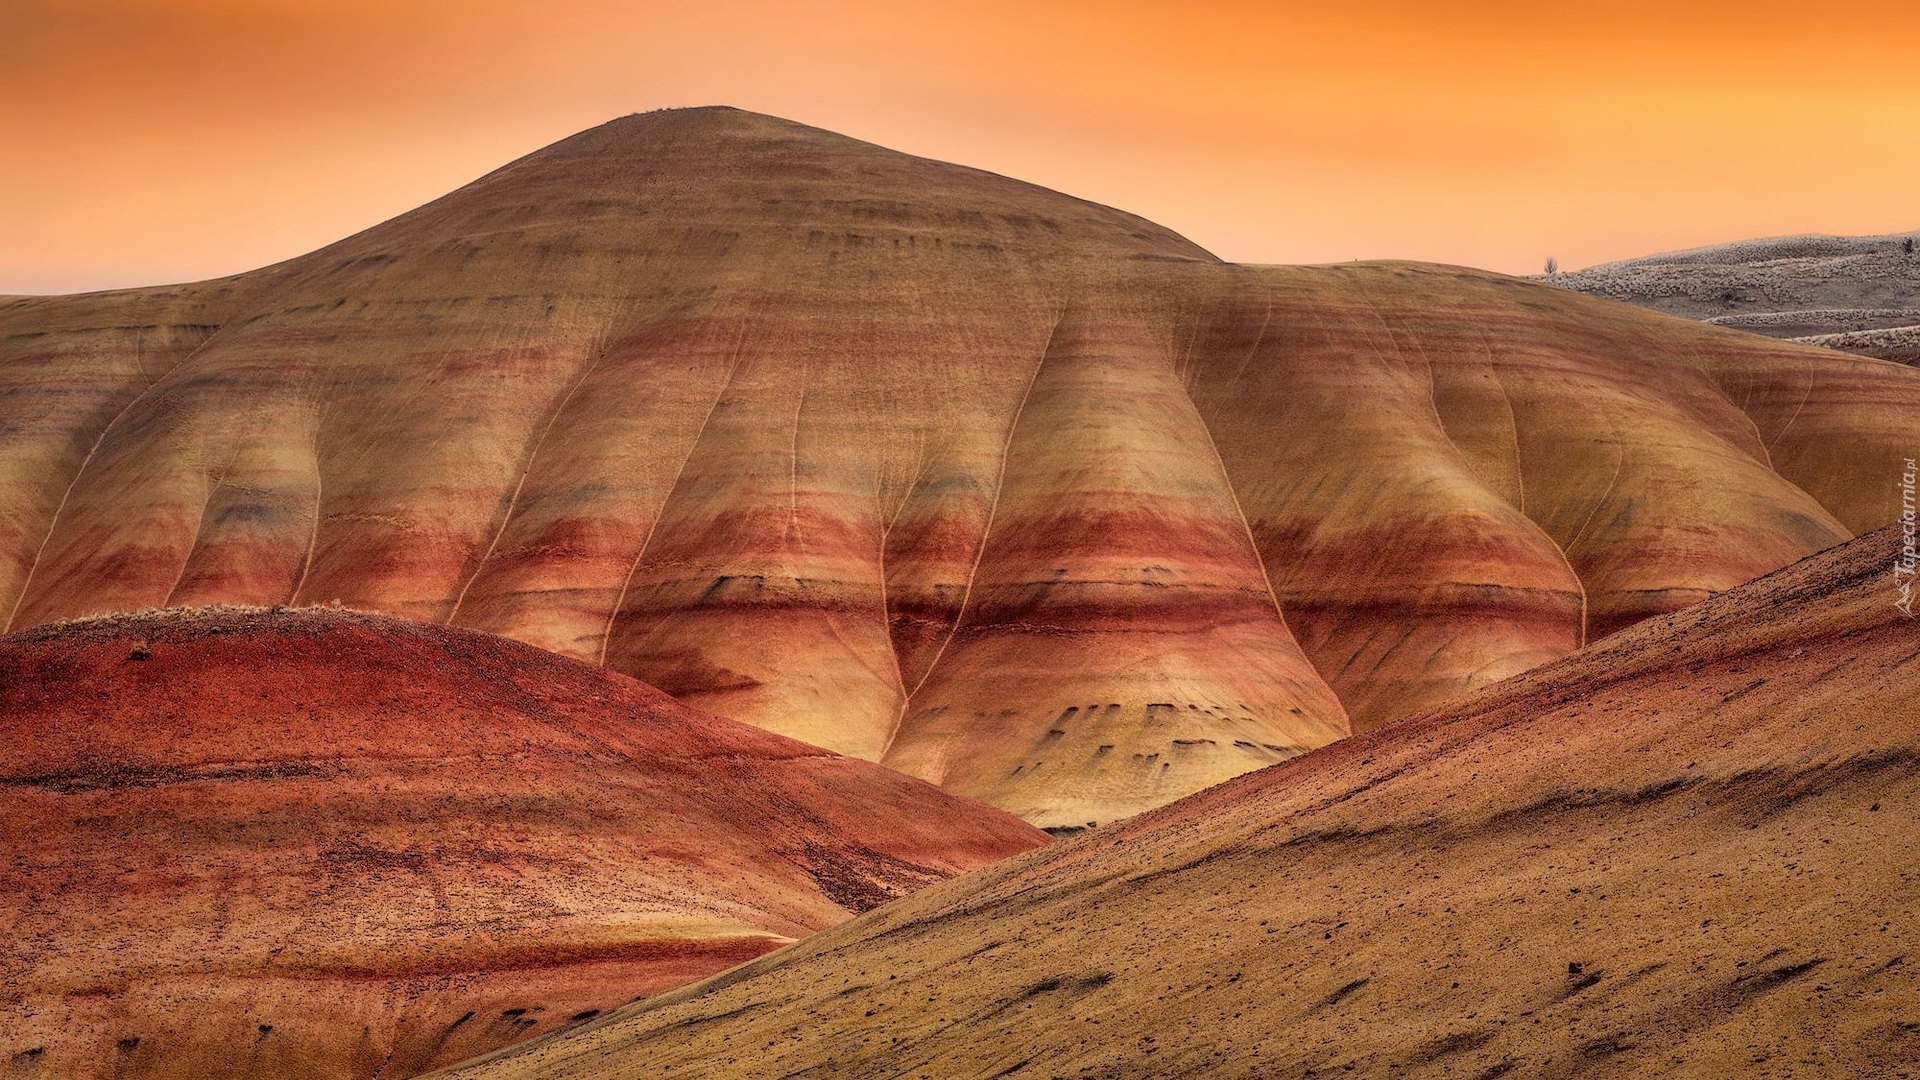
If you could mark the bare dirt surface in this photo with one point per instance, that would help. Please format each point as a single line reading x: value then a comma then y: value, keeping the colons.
x: 249, y: 843
x: 1859, y: 294
x: 1029, y: 497
x: 1687, y: 851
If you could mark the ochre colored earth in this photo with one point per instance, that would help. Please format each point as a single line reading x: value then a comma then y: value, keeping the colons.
x: 1688, y: 851
x: 1025, y: 496
x: 335, y: 845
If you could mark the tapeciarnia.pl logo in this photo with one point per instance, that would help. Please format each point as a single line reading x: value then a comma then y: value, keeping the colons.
x: 1903, y: 566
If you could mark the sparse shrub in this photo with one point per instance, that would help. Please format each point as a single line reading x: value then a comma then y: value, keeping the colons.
x: 1553, y: 264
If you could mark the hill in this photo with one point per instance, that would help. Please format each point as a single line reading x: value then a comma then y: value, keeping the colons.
x: 328, y: 844
x: 1026, y: 496
x: 1682, y: 852
x: 1860, y: 294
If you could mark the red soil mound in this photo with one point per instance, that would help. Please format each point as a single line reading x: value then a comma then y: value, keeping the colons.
x: 328, y: 844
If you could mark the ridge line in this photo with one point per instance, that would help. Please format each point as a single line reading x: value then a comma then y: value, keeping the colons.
x: 53, y: 523
x: 199, y: 529
x: 526, y: 469
x: 1520, y: 483
x: 619, y: 601
x: 986, y: 531
x: 319, y: 489
x: 1246, y: 526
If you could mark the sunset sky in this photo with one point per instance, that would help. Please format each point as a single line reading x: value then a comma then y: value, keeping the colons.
x: 144, y: 141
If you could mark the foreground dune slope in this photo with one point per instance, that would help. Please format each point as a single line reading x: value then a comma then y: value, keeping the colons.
x: 327, y: 844
x: 1683, y: 852
x: 1027, y: 496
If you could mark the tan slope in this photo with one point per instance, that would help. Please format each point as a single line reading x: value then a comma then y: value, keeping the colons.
x: 327, y: 844
x: 883, y: 453
x: 1684, y: 852
x: 1859, y: 294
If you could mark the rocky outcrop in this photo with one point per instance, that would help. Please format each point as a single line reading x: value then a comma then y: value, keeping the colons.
x: 1025, y: 495
x: 327, y: 844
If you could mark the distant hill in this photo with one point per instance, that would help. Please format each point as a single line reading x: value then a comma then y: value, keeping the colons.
x: 1860, y: 294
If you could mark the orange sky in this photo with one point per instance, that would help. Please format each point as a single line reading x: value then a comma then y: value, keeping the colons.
x: 161, y: 140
